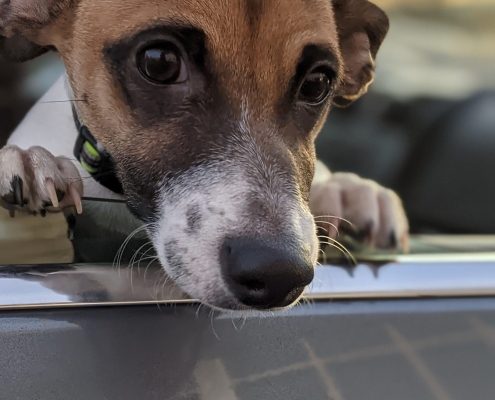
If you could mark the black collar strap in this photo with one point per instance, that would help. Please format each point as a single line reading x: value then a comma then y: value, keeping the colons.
x: 94, y: 158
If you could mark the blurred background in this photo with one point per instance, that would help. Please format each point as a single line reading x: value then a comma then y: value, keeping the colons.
x: 426, y: 129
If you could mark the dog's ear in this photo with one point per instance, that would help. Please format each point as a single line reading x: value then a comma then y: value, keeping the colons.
x: 361, y: 26
x: 23, y: 26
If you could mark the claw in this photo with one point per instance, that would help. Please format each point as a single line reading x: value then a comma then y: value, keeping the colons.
x: 17, y: 189
x: 76, y: 198
x: 364, y: 235
x: 50, y: 187
x: 392, y: 241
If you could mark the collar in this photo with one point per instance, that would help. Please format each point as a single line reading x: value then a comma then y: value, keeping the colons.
x: 94, y: 159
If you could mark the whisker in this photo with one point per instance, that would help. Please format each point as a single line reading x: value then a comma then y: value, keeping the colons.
x: 336, y: 244
x: 120, y: 252
x: 212, y: 311
x: 198, y: 309
x: 154, y: 258
x: 338, y: 248
x: 316, y: 217
x: 133, y: 260
x: 329, y: 223
x: 136, y: 253
x: 163, y: 278
x: 143, y: 258
x: 244, y: 319
x: 234, y: 325
x: 165, y: 281
x: 307, y: 302
x: 159, y: 284
x: 324, y: 237
x: 325, y: 260
x: 149, y: 264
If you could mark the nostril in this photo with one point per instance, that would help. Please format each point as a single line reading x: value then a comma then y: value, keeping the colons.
x: 228, y: 250
x: 253, y: 285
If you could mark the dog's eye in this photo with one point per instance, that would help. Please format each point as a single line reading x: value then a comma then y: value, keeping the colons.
x: 161, y: 63
x: 317, y: 86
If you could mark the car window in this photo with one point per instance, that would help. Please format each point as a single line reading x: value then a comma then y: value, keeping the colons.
x: 426, y: 129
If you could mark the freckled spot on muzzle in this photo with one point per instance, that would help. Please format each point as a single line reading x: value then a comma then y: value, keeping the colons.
x: 194, y: 219
x: 173, y: 257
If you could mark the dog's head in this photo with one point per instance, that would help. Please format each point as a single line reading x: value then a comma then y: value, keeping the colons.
x: 210, y: 110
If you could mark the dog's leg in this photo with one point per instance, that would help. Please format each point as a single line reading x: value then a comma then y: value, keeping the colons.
x: 346, y: 202
x: 34, y: 180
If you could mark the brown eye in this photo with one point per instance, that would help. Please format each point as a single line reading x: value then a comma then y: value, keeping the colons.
x: 316, y: 86
x: 161, y: 63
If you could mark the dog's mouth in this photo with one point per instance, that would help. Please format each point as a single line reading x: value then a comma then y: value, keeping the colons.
x: 255, y: 302
x: 259, y: 300
x: 240, y: 304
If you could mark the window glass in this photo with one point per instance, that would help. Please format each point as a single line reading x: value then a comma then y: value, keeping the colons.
x: 426, y: 129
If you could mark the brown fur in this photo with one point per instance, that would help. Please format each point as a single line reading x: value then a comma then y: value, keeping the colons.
x: 245, y: 63
x: 253, y: 48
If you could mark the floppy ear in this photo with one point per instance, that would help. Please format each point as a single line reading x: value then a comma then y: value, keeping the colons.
x: 22, y: 23
x: 361, y: 26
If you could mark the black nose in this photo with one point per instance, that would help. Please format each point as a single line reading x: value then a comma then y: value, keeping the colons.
x: 264, y: 276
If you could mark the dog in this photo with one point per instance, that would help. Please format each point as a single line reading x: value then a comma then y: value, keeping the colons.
x: 203, y: 115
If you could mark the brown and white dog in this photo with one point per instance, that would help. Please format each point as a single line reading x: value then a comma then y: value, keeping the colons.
x: 209, y: 110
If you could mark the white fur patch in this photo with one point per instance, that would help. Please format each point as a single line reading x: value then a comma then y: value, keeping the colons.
x: 220, y: 193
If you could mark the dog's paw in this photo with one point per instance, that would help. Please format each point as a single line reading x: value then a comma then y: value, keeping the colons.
x: 361, y: 208
x: 36, y: 181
